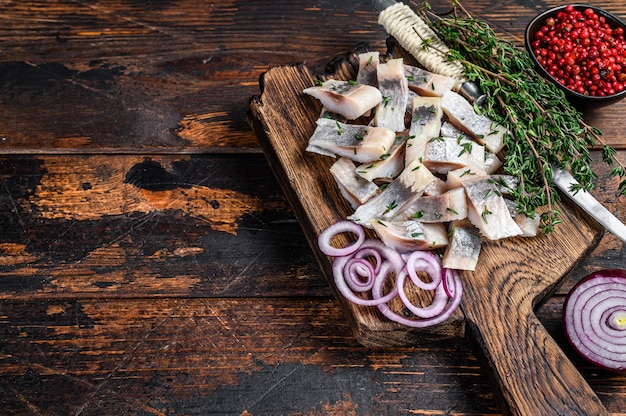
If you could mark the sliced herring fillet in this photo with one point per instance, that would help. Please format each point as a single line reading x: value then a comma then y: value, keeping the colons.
x: 449, y: 206
x: 443, y: 154
x: 350, y: 99
x: 356, y: 142
x: 387, y: 168
x: 410, y: 184
x: 455, y: 178
x: 394, y: 90
x: 427, y: 84
x: 462, y: 115
x: 492, y: 163
x: 425, y: 124
x: 436, y: 187
x: 448, y: 130
x: 413, y: 235
x: 354, y: 189
x: 368, y: 64
x: 463, y: 247
x: 528, y: 225
x: 488, y: 211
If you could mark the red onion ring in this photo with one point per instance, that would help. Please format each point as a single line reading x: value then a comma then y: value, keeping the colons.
x: 594, y: 316
x: 367, y: 264
x: 436, y: 306
x: 427, y: 262
x: 337, y: 228
x: 360, y: 274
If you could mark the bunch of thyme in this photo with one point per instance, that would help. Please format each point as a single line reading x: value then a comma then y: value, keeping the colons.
x: 544, y: 128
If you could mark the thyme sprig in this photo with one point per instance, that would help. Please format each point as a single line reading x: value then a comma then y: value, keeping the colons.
x: 543, y: 127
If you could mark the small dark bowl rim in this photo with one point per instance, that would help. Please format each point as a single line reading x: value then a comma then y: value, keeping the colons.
x: 537, y: 22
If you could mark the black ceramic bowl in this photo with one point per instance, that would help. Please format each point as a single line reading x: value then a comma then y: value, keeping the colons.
x: 573, y: 96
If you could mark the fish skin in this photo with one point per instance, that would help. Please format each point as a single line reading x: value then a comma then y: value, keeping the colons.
x: 462, y: 115
x: 357, y: 142
x: 488, y: 211
x: 351, y: 100
x: 492, y: 163
x: 426, y: 83
x: 410, y: 184
x: 411, y: 235
x: 463, y: 248
x: 353, y: 188
x: 393, y: 87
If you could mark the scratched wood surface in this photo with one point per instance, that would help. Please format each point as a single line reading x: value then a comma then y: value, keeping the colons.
x: 149, y: 262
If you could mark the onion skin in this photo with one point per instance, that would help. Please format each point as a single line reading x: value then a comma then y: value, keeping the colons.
x: 594, y: 317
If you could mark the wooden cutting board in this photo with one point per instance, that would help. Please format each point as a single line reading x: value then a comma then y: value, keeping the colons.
x: 530, y: 372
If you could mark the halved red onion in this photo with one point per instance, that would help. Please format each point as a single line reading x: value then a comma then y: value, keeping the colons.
x: 594, y: 316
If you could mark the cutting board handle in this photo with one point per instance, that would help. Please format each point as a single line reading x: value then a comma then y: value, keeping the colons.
x: 531, y: 372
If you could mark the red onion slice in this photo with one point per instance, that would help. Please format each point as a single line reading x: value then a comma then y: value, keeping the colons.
x: 337, y: 228
x: 594, y: 316
x: 426, y: 262
x: 359, y: 274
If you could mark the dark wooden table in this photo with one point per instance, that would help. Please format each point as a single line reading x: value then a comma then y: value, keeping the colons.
x: 149, y: 262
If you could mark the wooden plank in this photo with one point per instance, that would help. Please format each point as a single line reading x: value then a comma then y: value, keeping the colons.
x: 227, y: 356
x: 174, y: 77
x: 133, y: 226
x: 220, y: 356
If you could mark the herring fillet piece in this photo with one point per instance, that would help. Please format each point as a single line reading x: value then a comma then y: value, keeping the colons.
x: 426, y: 83
x: 528, y: 225
x: 410, y: 184
x: 462, y: 115
x: 446, y: 207
x: 354, y: 189
x: 443, y: 154
x: 488, y: 211
x: 393, y: 87
x: 356, y: 142
x: 368, y: 64
x: 463, y: 248
x: 425, y: 124
x: 387, y: 168
x: 350, y: 99
x: 411, y: 235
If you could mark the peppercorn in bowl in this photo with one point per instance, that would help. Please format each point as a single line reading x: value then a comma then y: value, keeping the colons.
x: 582, y: 49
